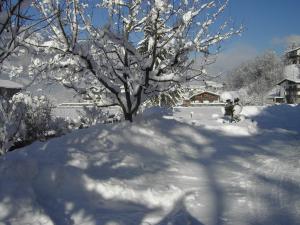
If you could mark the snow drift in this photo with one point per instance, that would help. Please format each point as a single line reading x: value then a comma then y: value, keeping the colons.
x: 159, y: 172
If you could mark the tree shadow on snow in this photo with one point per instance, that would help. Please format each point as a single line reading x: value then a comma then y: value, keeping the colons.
x: 179, y: 215
x: 90, y: 182
x: 239, y: 154
x: 70, y: 180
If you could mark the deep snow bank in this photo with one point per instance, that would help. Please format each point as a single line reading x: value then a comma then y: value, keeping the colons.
x: 192, y: 170
x: 279, y: 117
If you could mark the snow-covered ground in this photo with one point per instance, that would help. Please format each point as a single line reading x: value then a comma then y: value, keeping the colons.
x: 189, y: 167
x: 75, y: 112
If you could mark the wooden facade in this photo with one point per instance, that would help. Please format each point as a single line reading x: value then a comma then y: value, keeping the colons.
x: 291, y: 83
x: 205, y: 97
x: 292, y: 91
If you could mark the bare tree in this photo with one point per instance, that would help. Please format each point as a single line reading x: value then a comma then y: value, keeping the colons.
x: 13, y: 16
x: 166, y: 99
x: 122, y: 52
x: 12, y: 21
x: 257, y: 76
x: 19, y: 21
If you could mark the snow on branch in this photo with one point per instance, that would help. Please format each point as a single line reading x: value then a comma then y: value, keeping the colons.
x: 128, y: 49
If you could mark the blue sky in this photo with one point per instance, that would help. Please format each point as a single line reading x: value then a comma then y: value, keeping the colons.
x: 269, y: 25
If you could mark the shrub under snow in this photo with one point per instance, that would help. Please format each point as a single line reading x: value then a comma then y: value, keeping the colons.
x: 25, y: 118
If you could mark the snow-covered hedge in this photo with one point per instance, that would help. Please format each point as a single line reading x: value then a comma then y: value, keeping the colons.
x: 92, y: 116
x: 25, y: 118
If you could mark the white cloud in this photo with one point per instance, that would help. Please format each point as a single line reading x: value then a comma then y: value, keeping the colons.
x: 287, y: 41
x: 231, y: 58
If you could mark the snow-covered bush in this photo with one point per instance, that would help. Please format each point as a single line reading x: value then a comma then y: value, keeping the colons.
x: 38, y: 117
x: 12, y: 114
x: 58, y: 126
x: 25, y: 118
x: 92, y: 115
x: 13, y: 17
x: 40, y: 122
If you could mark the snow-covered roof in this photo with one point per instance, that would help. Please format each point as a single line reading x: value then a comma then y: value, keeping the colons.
x: 202, y: 84
x: 292, y: 73
x: 201, y: 92
x: 293, y: 49
x: 213, y: 84
x: 75, y: 104
x: 194, y: 84
x: 10, y: 84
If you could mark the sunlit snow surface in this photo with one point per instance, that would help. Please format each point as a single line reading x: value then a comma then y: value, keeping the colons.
x: 186, y: 167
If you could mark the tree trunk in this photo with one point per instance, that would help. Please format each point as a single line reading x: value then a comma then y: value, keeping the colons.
x: 128, y: 116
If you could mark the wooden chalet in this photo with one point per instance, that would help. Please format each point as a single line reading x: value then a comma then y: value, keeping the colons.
x: 204, y: 97
x: 291, y: 81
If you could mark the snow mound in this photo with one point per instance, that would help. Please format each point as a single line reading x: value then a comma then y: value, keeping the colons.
x: 90, y: 175
x: 160, y: 172
x: 282, y: 117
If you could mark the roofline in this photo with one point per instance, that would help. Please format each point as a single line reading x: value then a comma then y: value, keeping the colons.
x: 18, y: 88
x: 13, y: 85
x: 204, y: 92
x: 294, y: 49
x: 297, y: 82
x: 281, y: 81
x: 275, y: 96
